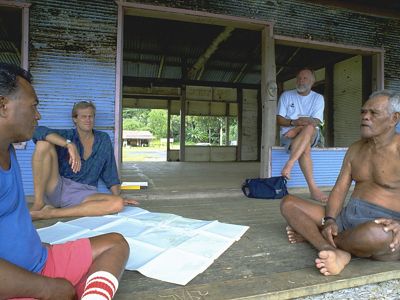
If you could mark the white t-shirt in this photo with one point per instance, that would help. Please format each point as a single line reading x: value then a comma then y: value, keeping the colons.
x: 291, y: 105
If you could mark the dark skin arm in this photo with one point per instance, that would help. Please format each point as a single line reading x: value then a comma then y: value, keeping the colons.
x: 337, y: 197
x: 17, y: 283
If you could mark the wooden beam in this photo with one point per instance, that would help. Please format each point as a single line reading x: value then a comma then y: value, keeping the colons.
x: 14, y: 4
x: 185, y: 15
x: 161, y: 66
x: 202, y: 60
x: 268, y: 100
x: 118, y: 89
x: 182, y: 137
x: 289, y: 60
x: 326, y: 46
x: 146, y: 81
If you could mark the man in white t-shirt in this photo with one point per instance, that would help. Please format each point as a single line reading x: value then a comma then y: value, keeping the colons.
x: 300, y: 112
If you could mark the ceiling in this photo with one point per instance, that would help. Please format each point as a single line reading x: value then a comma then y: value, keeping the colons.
x: 159, y: 51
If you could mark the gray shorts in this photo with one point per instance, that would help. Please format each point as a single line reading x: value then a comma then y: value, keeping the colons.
x: 358, y: 211
x: 286, y: 142
x: 69, y: 193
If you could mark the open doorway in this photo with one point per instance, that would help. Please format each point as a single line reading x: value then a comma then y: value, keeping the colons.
x: 167, y: 52
x: 144, y: 134
x: 10, y: 35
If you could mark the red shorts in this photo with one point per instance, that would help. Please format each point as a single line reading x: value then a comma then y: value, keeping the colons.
x: 71, y: 261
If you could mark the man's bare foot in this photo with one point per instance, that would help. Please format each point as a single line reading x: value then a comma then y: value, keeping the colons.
x: 36, y: 206
x: 319, y: 195
x: 332, y: 262
x: 293, y: 236
x: 44, y: 213
x: 287, y: 169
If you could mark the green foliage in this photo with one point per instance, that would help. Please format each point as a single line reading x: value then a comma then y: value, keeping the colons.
x: 157, y: 122
x: 199, y: 129
x: 131, y: 124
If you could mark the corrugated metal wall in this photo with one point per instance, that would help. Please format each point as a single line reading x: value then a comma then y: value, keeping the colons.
x: 72, y: 58
x: 326, y: 165
x: 347, y: 95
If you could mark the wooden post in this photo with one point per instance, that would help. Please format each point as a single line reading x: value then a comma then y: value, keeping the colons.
x: 268, y: 100
x: 118, y: 89
x: 378, y: 73
x: 168, y: 129
x: 239, y: 92
x: 183, y: 125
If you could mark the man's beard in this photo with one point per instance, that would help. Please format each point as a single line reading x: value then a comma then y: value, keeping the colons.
x: 303, y: 88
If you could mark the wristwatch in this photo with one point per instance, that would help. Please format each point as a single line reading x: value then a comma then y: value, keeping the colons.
x: 325, y: 219
x: 291, y: 123
x: 67, y: 142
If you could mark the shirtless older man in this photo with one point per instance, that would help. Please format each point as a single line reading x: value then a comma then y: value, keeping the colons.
x: 369, y: 226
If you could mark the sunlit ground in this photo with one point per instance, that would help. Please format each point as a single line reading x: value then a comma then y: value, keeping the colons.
x: 144, y: 154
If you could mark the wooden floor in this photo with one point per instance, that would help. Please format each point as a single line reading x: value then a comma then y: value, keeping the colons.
x: 262, y: 265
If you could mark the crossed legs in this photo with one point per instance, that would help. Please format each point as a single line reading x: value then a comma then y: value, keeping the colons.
x: 366, y: 240
x: 301, y: 151
x: 45, y: 173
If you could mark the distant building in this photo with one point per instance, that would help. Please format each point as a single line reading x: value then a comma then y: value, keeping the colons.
x: 137, y: 138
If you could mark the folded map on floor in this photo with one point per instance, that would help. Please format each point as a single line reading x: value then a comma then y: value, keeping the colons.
x: 163, y: 246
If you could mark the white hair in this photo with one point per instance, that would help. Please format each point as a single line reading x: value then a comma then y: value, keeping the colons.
x: 393, y: 97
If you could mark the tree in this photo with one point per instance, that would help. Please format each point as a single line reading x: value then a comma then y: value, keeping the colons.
x: 157, y: 123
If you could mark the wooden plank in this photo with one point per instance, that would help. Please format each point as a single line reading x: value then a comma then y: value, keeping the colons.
x: 261, y: 265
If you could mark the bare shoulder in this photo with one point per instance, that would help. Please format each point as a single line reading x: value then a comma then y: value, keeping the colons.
x: 355, y: 148
x: 397, y: 142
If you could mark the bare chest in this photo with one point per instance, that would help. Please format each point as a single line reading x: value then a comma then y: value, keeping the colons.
x: 87, y: 148
x: 381, y: 168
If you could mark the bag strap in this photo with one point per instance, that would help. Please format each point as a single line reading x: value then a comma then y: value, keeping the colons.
x: 245, y: 189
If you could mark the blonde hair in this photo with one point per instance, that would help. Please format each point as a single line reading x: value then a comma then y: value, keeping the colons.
x: 82, y: 105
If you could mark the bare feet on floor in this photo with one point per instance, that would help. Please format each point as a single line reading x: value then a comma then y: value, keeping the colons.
x: 293, y: 236
x: 287, y: 169
x: 332, y: 262
x: 319, y: 195
x: 44, y: 213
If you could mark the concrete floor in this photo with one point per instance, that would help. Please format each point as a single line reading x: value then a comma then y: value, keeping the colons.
x: 262, y: 265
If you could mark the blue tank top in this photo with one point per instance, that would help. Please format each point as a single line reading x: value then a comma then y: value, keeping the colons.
x: 19, y: 242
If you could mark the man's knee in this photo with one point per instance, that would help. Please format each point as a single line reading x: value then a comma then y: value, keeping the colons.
x: 117, y: 204
x: 375, y: 233
x: 288, y: 204
x: 370, y: 240
x: 118, y: 239
x: 110, y: 241
x: 43, y: 147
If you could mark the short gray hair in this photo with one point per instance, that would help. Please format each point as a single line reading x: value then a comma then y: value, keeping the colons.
x: 393, y: 97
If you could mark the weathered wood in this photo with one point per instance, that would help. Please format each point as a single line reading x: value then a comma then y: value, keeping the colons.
x: 268, y: 100
x: 261, y: 264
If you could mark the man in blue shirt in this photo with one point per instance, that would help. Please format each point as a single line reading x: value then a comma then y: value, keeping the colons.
x: 84, y: 268
x: 67, y: 165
